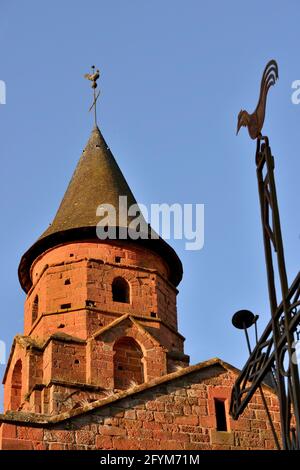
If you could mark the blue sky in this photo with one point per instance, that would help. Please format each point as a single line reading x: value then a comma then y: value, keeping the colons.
x: 175, y: 74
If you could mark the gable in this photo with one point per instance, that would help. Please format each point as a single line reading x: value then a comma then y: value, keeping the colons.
x: 125, y: 326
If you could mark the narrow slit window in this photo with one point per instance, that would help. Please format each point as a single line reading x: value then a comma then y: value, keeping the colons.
x: 35, y: 309
x: 220, y: 415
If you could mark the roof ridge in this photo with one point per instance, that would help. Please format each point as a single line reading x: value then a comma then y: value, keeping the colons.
x: 48, y: 420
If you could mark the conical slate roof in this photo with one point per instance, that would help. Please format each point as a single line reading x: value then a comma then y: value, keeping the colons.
x: 97, y: 180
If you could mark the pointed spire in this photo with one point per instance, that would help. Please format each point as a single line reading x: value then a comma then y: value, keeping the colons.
x: 97, y: 180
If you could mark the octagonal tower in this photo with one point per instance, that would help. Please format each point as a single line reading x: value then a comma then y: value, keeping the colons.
x: 100, y: 315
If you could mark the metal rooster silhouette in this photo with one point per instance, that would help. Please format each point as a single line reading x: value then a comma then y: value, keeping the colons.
x: 255, y: 121
x: 93, y: 77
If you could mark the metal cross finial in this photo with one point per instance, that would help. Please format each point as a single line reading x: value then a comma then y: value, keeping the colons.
x: 93, y: 77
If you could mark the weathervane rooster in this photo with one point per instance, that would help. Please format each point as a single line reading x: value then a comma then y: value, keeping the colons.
x: 255, y: 121
x: 93, y: 77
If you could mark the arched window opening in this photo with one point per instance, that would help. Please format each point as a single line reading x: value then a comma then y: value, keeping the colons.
x: 128, y: 364
x: 120, y: 290
x: 16, y: 386
x: 35, y: 309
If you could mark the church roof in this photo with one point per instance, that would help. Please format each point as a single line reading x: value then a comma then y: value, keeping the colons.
x: 97, y: 180
x: 217, y: 365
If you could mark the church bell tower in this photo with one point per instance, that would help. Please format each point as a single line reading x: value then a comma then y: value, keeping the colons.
x: 100, y: 315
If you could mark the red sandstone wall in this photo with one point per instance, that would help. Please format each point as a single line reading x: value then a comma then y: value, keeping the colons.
x: 89, y: 269
x: 175, y: 415
x: 68, y: 362
x: 130, y: 255
x: 102, y: 354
